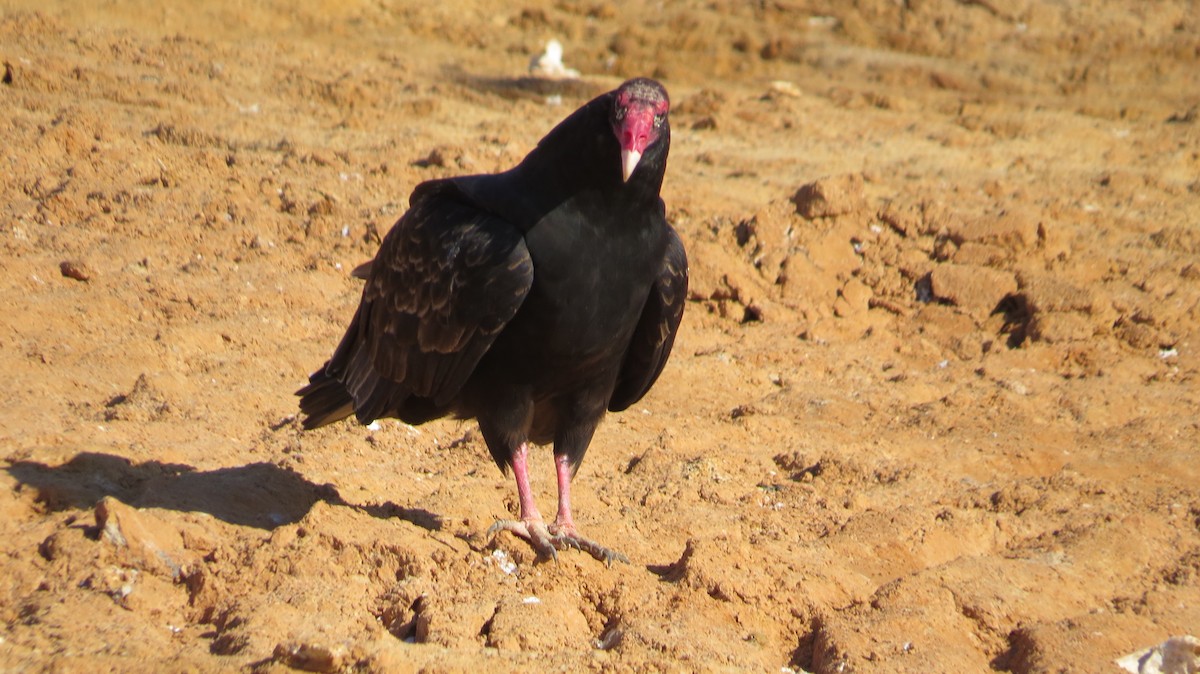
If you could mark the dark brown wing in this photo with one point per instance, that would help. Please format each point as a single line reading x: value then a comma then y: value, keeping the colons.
x: 447, y: 279
x: 655, y: 332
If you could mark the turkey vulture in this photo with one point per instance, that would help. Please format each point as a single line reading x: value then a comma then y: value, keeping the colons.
x: 532, y: 300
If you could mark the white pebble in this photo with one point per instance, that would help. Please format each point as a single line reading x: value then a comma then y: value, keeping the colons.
x: 506, y: 565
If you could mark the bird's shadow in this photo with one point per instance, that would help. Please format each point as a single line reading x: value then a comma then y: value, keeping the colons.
x: 261, y: 495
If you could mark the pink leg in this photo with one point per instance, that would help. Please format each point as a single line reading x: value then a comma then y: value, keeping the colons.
x: 562, y: 534
x: 563, y: 522
x: 520, y: 466
x: 530, y: 526
x: 563, y: 528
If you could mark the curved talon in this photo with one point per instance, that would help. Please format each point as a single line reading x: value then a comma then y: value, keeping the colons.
x: 547, y: 541
x: 562, y: 542
x: 599, y: 552
x: 534, y: 532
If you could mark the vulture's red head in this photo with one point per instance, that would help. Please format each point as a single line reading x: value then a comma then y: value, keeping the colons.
x: 639, y: 118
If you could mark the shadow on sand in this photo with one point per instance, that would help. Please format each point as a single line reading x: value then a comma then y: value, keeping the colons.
x: 261, y: 495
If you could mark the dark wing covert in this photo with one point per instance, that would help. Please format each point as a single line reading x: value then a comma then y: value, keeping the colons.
x: 655, y: 332
x: 447, y: 279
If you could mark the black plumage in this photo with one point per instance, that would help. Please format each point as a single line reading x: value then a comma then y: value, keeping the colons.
x: 533, y: 300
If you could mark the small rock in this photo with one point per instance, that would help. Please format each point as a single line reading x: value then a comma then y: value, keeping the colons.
x: 311, y: 657
x: 147, y: 542
x: 1177, y: 655
x: 1014, y: 229
x: 905, y: 219
x: 117, y: 582
x: 1046, y: 292
x: 853, y: 298
x: 976, y: 289
x: 75, y: 269
x: 983, y: 254
x: 827, y: 197
x: 611, y: 638
x: 914, y: 264
x: 783, y: 88
x: 435, y: 158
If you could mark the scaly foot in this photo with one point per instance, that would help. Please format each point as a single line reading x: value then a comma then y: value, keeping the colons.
x: 533, y: 531
x: 566, y: 536
x: 547, y: 541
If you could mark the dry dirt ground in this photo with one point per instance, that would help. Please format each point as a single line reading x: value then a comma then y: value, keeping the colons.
x: 933, y: 407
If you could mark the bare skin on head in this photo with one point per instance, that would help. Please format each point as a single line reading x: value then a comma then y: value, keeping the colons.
x: 639, y: 113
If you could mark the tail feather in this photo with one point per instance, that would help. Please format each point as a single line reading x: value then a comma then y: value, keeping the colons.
x: 359, y: 391
x: 349, y: 385
x: 374, y: 397
x: 324, y: 400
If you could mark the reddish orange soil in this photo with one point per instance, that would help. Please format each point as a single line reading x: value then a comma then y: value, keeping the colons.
x: 933, y: 407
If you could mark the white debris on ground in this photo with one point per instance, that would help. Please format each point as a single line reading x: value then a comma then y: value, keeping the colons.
x: 549, y: 64
x: 503, y: 561
x: 1177, y: 655
x: 784, y: 88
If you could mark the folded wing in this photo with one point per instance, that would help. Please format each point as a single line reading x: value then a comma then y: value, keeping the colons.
x: 445, y: 282
x: 655, y: 332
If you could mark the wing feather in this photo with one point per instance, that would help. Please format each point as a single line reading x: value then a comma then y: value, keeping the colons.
x: 447, y: 279
x: 655, y: 332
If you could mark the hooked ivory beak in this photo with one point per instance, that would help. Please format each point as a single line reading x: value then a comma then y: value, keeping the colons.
x: 629, y: 161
